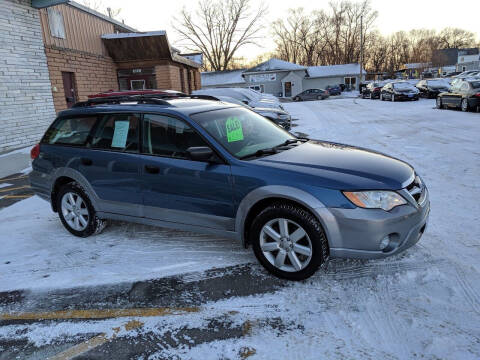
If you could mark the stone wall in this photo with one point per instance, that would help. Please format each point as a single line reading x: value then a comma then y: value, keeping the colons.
x: 26, y: 104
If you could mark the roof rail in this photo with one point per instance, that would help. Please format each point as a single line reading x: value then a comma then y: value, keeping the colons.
x: 145, y: 99
x: 157, y: 99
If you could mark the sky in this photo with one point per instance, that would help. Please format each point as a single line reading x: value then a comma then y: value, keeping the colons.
x: 148, y: 15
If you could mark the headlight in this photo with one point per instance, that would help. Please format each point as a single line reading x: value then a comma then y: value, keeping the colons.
x: 385, y: 200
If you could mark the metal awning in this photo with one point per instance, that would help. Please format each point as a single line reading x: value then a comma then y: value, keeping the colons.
x: 152, y: 45
x: 40, y: 4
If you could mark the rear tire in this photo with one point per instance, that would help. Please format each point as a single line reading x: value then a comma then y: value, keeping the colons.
x: 76, y: 211
x: 295, y: 250
x: 464, y: 105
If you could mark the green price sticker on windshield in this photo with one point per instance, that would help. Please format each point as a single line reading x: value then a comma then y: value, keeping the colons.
x: 234, y: 129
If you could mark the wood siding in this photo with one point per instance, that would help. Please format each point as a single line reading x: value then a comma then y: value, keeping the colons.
x: 83, y: 31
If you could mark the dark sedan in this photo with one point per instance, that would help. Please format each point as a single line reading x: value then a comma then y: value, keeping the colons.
x: 431, y: 88
x: 334, y: 90
x: 464, y: 94
x: 372, y: 91
x: 402, y: 90
x: 311, y: 94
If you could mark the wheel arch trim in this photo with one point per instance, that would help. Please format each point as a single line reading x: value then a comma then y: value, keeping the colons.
x: 314, y: 205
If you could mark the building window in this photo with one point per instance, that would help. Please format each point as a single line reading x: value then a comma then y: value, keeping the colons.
x: 55, y: 22
x: 350, y: 83
x: 136, y: 79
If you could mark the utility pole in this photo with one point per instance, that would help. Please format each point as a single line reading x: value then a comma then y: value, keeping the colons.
x: 361, y: 51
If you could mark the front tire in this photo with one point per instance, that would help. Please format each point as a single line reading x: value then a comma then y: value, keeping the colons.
x: 76, y: 211
x: 288, y: 241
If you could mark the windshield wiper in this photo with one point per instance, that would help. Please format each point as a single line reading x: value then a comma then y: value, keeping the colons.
x: 274, y: 149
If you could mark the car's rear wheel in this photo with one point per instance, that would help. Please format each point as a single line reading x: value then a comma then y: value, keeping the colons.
x: 464, y: 105
x: 319, y: 97
x: 439, y: 102
x: 76, y: 211
x: 288, y: 241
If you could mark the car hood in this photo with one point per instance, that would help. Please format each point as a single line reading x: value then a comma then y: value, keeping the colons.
x: 343, y: 167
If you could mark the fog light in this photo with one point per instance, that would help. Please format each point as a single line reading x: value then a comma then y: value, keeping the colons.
x: 385, y: 242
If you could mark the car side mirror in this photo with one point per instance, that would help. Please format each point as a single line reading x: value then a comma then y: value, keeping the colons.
x: 201, y: 153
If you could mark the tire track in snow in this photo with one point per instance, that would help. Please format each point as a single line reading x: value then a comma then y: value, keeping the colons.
x: 468, y: 290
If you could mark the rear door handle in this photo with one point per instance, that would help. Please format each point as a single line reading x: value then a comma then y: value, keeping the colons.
x: 152, y: 169
x: 86, y: 162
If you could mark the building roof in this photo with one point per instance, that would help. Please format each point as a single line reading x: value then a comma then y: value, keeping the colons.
x: 227, y: 77
x: 101, y: 16
x: 468, y: 51
x: 416, y: 65
x: 333, y: 70
x: 275, y: 65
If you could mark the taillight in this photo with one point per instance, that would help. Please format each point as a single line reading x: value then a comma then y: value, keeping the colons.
x: 477, y: 95
x: 377, y: 89
x: 35, y: 152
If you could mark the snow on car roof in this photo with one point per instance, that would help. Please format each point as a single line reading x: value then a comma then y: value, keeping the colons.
x: 227, y: 77
x: 333, y: 70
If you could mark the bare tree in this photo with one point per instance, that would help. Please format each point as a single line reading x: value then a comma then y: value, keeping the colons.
x: 220, y: 28
x: 456, y: 38
x: 99, y: 5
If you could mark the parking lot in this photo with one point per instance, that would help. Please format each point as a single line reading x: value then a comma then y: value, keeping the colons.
x: 138, y: 292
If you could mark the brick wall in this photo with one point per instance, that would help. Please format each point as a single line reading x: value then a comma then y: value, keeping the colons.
x: 26, y: 106
x: 93, y: 74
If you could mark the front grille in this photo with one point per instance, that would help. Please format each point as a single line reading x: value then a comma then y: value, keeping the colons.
x: 417, y: 190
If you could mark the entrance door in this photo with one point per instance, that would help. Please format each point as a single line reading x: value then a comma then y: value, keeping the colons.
x: 69, y: 88
x: 137, y: 84
x: 288, y: 89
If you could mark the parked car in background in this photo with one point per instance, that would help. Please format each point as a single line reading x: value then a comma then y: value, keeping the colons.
x: 401, y: 90
x: 218, y: 168
x: 334, y: 90
x: 464, y: 94
x: 311, y: 94
x: 277, y: 116
x: 465, y: 74
x: 372, y: 90
x: 247, y: 96
x: 431, y: 88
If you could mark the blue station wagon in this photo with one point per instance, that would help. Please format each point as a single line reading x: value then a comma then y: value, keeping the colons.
x: 215, y: 167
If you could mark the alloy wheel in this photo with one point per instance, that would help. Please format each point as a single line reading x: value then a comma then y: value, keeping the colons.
x: 286, y: 245
x: 75, y: 211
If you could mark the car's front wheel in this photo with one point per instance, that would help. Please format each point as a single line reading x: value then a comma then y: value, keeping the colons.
x: 288, y: 241
x: 296, y: 98
x: 76, y: 211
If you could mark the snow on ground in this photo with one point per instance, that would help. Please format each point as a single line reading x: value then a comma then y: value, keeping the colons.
x: 37, y: 251
x: 424, y: 303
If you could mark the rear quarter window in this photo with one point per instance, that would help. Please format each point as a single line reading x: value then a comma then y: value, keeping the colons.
x: 70, y: 131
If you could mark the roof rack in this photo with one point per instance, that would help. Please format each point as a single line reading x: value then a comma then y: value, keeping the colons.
x: 157, y: 99
x: 144, y: 99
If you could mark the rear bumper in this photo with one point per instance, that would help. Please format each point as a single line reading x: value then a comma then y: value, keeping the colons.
x: 357, y: 233
x: 406, y: 97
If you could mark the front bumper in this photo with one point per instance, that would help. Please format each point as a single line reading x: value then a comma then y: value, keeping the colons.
x: 357, y: 233
x: 406, y: 97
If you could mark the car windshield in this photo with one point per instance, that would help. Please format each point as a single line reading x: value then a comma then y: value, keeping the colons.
x: 242, y: 132
x: 403, y: 86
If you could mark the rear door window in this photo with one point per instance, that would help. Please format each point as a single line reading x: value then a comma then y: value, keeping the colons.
x: 168, y: 136
x: 70, y: 131
x: 118, y: 132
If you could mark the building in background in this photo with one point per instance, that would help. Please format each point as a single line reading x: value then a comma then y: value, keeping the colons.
x: 285, y: 79
x: 468, y: 59
x: 227, y: 78
x: 26, y: 105
x: 88, y: 52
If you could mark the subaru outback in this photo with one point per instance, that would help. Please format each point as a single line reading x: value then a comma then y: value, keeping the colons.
x: 219, y: 168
